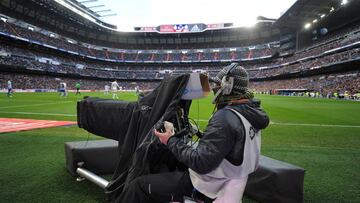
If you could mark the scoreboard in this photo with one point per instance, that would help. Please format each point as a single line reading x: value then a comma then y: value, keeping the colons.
x: 184, y: 28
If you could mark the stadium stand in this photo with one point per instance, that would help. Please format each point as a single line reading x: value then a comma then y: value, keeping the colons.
x: 36, y: 50
x: 63, y: 43
x: 324, y: 84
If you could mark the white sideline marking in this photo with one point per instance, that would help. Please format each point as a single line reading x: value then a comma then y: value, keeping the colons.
x: 317, y: 125
x: 201, y: 120
x: 306, y: 124
x: 43, y: 104
x: 38, y: 113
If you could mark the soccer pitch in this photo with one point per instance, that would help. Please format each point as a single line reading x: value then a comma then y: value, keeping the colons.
x: 320, y: 135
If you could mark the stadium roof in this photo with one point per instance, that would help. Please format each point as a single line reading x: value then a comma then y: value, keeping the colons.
x: 306, y: 11
x: 85, y: 8
x: 52, y: 16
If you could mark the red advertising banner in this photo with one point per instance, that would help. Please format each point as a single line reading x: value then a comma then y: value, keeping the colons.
x: 167, y: 28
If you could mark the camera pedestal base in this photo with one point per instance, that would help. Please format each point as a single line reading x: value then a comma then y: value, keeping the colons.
x: 274, y: 180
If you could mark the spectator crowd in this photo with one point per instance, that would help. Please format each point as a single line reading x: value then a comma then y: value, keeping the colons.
x: 336, y: 49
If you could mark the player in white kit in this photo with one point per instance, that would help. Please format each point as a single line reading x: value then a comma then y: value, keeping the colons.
x: 114, y: 88
x: 10, y: 90
x: 107, y: 89
x: 63, y: 91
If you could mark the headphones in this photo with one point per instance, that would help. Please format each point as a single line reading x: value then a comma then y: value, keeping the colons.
x: 227, y: 83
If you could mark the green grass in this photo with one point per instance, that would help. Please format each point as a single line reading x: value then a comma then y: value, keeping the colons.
x: 32, y: 163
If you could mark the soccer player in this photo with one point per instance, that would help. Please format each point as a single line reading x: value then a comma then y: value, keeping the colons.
x: 107, y: 88
x: 137, y: 90
x: 9, y: 93
x: 114, y: 88
x: 77, y: 86
x: 63, y: 91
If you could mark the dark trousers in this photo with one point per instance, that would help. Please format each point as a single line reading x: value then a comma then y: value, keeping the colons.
x: 77, y: 91
x: 157, y: 188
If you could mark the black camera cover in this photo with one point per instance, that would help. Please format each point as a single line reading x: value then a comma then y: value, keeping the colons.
x: 132, y: 124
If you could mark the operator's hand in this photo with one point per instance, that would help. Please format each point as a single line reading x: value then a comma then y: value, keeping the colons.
x: 169, y: 131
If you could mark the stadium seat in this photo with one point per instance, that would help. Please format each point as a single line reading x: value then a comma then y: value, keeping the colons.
x: 98, y: 156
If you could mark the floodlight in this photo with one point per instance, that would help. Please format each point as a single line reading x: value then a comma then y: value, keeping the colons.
x: 332, y: 9
x: 343, y: 2
x: 307, y: 25
x: 322, y: 16
x: 315, y: 20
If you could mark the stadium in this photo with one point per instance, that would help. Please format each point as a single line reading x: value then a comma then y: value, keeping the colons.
x: 304, y: 67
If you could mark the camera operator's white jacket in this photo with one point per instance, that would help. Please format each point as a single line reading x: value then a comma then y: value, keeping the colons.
x: 226, y: 176
x: 228, y: 151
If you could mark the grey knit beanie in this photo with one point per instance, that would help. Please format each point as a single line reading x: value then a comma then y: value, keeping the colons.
x: 240, y: 75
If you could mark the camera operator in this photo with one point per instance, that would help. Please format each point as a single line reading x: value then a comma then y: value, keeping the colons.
x: 227, y: 153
